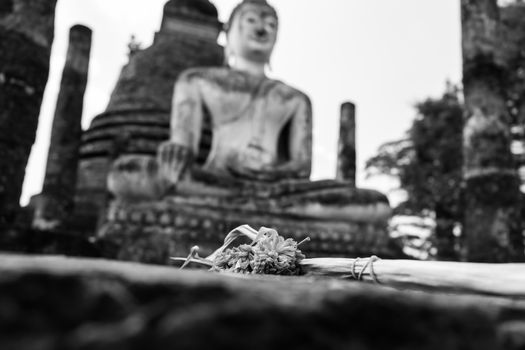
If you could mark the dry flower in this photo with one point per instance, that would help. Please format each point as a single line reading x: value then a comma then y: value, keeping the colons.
x: 269, y: 253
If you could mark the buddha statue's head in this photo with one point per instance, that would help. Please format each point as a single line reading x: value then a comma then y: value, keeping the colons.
x: 252, y: 31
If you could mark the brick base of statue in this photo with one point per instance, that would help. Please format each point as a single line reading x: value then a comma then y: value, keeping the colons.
x: 153, y: 231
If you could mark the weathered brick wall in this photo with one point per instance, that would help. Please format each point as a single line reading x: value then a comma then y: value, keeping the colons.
x: 62, y: 161
x: 26, y: 32
x: 136, y: 120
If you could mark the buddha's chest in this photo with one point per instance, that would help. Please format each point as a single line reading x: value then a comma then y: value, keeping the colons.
x: 260, y: 108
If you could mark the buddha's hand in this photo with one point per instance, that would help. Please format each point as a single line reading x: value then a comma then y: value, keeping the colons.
x: 173, y: 160
x: 249, y: 164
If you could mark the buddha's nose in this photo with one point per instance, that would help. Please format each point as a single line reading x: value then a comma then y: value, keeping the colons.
x: 261, y: 32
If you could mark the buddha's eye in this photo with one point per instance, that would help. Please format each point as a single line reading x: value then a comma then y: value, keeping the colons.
x: 271, y: 23
x: 251, y: 19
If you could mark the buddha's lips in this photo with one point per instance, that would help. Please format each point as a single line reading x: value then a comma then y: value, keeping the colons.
x: 259, y: 39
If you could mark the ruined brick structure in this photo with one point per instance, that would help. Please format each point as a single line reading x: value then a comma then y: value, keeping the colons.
x: 137, y: 117
x: 56, y: 201
x: 492, y: 198
x: 26, y: 35
x: 346, y: 158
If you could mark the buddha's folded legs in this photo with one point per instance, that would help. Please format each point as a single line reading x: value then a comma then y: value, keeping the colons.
x: 325, y: 200
x: 136, y: 178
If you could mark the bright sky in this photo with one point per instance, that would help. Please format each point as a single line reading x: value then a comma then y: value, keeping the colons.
x: 383, y: 55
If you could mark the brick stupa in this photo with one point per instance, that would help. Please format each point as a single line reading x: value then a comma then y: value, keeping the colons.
x: 136, y: 120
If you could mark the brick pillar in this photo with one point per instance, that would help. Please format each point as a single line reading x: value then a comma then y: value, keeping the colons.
x: 26, y: 35
x: 62, y: 162
x: 492, y: 213
x: 346, y: 156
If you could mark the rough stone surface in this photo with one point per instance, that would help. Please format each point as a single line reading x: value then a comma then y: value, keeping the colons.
x: 24, y: 240
x: 26, y: 29
x: 60, y: 303
x: 62, y: 161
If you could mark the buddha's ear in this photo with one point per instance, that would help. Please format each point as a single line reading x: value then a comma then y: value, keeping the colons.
x: 229, y: 56
x: 269, y: 65
x: 226, y: 55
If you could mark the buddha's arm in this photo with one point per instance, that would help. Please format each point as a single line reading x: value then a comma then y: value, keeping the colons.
x: 186, y: 113
x: 176, y: 154
x: 300, y: 144
x: 300, y: 163
x: 300, y: 149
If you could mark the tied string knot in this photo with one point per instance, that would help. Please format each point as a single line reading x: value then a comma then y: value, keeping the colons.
x: 358, y: 276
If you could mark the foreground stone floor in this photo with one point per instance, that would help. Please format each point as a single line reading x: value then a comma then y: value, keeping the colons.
x: 64, y: 303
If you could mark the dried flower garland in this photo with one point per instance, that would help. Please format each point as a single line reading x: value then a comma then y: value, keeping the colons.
x: 269, y: 253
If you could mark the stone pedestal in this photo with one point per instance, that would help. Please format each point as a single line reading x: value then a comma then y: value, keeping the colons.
x: 173, y: 225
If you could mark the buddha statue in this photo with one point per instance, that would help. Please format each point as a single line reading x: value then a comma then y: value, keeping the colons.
x: 261, y: 128
x: 242, y: 143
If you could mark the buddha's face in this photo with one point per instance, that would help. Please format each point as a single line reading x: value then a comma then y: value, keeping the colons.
x: 253, y: 33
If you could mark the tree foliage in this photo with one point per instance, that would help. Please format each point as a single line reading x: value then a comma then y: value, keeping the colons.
x: 428, y: 161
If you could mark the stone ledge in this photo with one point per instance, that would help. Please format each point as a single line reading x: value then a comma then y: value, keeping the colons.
x: 61, y: 303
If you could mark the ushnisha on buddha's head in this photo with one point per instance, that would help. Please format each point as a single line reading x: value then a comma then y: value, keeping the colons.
x: 251, y: 32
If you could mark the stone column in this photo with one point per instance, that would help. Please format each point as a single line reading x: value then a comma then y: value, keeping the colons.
x: 26, y: 35
x: 346, y: 156
x: 492, y: 214
x: 62, y: 161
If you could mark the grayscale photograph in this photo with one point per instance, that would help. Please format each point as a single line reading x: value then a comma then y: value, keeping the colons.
x: 262, y: 174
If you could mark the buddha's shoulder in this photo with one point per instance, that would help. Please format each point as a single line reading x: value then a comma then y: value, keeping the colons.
x: 289, y: 91
x: 201, y: 73
x: 223, y: 78
x: 227, y: 79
